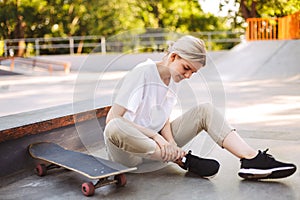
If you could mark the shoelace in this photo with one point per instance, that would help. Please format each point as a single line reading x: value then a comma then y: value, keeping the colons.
x: 267, y: 155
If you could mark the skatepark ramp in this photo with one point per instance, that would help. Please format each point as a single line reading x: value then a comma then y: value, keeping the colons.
x: 5, y: 72
x: 260, y: 60
x: 248, y: 60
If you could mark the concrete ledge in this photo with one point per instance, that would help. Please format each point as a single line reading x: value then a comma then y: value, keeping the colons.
x: 34, y: 122
x: 53, y: 125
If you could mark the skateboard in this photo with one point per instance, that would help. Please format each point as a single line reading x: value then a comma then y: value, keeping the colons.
x: 105, y: 171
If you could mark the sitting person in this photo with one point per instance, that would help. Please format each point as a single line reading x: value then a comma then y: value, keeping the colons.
x: 138, y: 125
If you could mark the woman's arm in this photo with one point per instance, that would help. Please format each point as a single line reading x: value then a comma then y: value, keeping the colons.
x: 169, y: 149
x: 114, y: 112
x: 118, y: 111
x: 166, y: 132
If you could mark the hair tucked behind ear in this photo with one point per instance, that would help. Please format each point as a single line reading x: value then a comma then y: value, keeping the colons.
x: 189, y: 48
x: 170, y: 45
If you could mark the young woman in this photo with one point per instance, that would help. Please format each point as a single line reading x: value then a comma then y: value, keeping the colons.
x: 138, y: 126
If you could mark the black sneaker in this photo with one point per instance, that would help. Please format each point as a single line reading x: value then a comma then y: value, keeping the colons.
x: 264, y: 166
x: 201, y: 166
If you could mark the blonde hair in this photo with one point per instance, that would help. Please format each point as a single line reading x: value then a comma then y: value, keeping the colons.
x: 189, y: 48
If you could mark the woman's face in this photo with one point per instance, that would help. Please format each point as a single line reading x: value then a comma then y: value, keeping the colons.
x: 181, y: 68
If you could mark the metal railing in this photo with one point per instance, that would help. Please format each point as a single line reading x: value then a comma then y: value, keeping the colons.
x: 37, y: 44
x: 100, y: 44
x: 34, y: 63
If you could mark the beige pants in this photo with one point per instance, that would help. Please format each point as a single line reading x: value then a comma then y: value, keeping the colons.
x: 128, y: 146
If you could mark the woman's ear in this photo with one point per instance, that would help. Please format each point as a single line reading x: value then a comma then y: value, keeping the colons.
x: 172, y: 57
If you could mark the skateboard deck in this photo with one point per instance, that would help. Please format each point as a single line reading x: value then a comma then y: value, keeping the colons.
x: 84, y: 164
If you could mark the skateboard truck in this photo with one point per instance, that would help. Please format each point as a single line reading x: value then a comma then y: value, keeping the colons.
x: 88, y: 188
x: 41, y: 169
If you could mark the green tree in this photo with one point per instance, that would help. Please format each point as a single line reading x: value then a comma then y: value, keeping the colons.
x: 268, y: 8
x: 39, y: 18
x: 178, y: 15
x: 22, y: 18
x: 110, y: 17
x: 62, y: 18
x: 8, y: 18
x: 182, y: 16
x: 262, y: 8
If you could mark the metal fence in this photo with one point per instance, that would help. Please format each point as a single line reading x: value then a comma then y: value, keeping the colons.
x: 120, y: 43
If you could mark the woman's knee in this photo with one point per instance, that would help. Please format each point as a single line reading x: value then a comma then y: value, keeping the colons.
x: 205, y: 108
x: 126, y: 137
x: 113, y: 127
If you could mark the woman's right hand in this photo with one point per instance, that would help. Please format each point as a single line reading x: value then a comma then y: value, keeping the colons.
x: 169, y: 151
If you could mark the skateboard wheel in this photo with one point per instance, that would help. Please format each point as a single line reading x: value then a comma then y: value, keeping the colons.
x: 41, y: 170
x: 121, y: 179
x: 88, y: 189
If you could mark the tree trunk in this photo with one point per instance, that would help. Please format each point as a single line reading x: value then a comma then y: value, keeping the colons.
x: 248, y: 12
x: 19, y: 33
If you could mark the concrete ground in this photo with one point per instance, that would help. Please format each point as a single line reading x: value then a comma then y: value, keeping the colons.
x: 170, y: 182
x: 265, y: 111
x: 267, y: 118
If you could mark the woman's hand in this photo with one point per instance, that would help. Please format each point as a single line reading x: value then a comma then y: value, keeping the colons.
x: 169, y: 151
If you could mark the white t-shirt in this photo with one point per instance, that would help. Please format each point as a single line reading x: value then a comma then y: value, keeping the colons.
x: 148, y: 100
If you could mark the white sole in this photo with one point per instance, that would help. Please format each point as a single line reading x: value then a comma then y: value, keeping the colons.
x: 260, y: 173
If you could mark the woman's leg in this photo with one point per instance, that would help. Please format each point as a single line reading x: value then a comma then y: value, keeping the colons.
x: 127, y: 145
x: 238, y: 147
x: 201, y: 117
x: 206, y: 117
x: 254, y: 165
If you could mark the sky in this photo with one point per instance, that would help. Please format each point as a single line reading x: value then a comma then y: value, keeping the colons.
x: 212, y: 6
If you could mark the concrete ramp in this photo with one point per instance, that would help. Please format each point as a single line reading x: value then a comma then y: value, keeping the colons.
x: 261, y: 60
x: 4, y: 71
